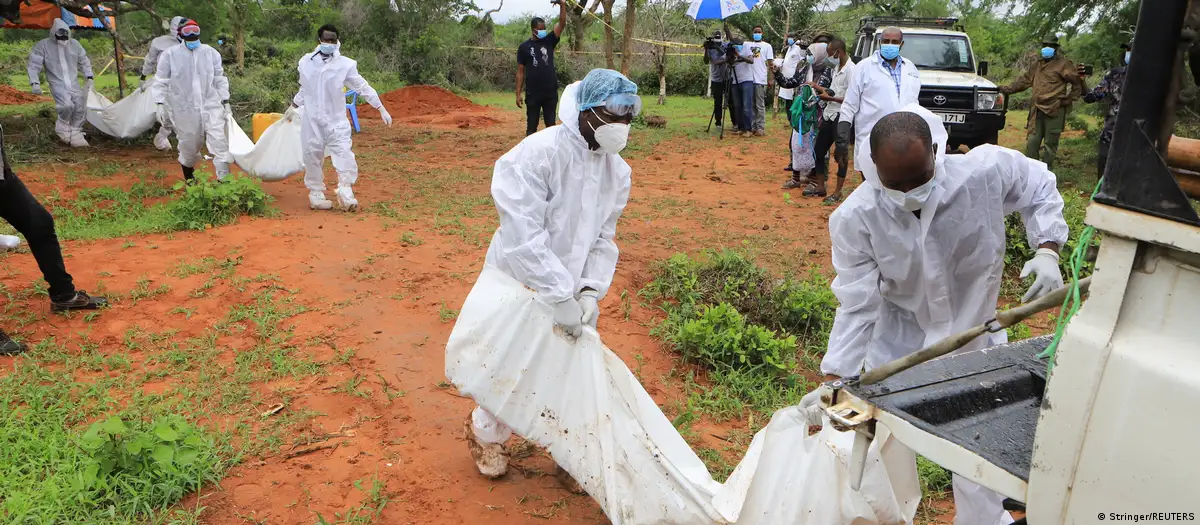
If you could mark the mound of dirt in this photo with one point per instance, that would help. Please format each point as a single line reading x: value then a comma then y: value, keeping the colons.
x: 11, y: 96
x: 419, y: 101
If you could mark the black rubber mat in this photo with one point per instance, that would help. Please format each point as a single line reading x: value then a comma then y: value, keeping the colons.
x: 986, y: 401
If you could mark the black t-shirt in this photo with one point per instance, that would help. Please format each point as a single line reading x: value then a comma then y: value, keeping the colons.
x: 538, y: 58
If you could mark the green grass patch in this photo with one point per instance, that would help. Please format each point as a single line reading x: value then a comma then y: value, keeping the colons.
x: 111, y: 211
x: 752, y: 334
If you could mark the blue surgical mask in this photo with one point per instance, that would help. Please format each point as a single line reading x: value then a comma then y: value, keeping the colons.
x: 1047, y: 52
x: 758, y: 37
x: 889, y: 51
x: 191, y: 44
x: 542, y: 33
x: 1127, y: 54
x: 831, y: 62
x: 326, y: 48
x: 791, y: 41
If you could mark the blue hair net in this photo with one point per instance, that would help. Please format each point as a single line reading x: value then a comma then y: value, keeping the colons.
x: 601, y: 84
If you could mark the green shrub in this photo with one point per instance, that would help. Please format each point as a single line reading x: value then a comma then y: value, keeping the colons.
x: 143, y: 466
x: 934, y: 479
x: 720, y: 338
x: 209, y: 204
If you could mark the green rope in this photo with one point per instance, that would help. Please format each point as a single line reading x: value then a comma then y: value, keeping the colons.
x: 1073, y: 301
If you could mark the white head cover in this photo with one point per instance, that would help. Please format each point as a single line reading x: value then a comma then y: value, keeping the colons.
x: 936, y: 128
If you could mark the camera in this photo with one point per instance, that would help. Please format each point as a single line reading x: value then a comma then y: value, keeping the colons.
x: 712, y: 43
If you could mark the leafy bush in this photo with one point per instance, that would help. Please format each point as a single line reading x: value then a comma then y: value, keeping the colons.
x: 719, y: 338
x: 208, y: 204
x: 744, y: 327
x: 141, y: 466
x: 934, y: 479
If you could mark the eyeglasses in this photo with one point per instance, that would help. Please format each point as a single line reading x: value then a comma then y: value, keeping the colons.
x: 623, y: 105
x: 189, y: 31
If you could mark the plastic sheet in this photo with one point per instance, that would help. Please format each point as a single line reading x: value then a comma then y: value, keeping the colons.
x: 277, y: 155
x: 579, y: 401
x: 124, y: 119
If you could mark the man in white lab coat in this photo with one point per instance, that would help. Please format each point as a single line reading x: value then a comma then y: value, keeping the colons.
x: 883, y: 83
x: 919, y: 255
x: 560, y: 193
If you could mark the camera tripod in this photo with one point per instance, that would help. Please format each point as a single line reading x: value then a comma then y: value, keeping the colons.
x: 730, y: 81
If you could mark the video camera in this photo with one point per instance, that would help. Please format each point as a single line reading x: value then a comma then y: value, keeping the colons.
x: 712, y: 43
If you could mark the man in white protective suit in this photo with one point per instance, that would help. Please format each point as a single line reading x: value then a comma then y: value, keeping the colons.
x: 150, y: 66
x: 559, y: 194
x: 324, y: 74
x: 63, y: 59
x: 919, y: 255
x: 192, y: 83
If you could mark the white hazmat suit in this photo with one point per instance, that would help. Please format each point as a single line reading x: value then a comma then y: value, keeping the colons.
x: 872, y: 95
x: 193, y: 86
x: 905, y: 282
x: 150, y: 67
x: 63, y: 61
x: 559, y: 203
x: 325, y: 126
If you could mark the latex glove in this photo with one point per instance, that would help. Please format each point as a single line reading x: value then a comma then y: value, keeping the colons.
x: 89, y: 84
x: 36, y: 89
x: 142, y: 86
x: 1046, y: 275
x: 228, y: 110
x: 568, y: 315
x: 291, y: 114
x: 810, y: 405
x: 589, y: 303
x: 161, y: 112
x: 387, y: 117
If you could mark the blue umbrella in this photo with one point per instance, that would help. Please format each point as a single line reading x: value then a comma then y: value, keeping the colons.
x: 719, y: 9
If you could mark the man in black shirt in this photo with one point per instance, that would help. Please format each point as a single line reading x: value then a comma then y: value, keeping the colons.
x: 535, y: 70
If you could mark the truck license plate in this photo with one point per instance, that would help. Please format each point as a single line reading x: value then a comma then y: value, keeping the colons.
x: 953, y: 118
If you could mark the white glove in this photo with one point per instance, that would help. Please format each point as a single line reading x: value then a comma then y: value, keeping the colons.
x: 161, y: 112
x: 387, y: 117
x: 1046, y: 275
x: 142, y: 87
x: 36, y: 89
x: 588, y: 302
x: 569, y: 316
x: 291, y: 114
x: 89, y: 84
x: 810, y: 405
x: 228, y: 110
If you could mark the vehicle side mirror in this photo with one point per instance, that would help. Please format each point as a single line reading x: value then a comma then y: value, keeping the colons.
x: 983, y: 68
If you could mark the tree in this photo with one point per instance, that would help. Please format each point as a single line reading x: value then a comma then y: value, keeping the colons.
x: 579, y: 18
x: 90, y: 8
x: 627, y: 38
x: 668, y: 19
x: 608, y: 33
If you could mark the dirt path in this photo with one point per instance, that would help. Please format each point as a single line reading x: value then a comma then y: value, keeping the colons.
x: 385, y: 282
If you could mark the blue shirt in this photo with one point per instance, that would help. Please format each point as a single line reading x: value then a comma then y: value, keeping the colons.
x: 894, y: 71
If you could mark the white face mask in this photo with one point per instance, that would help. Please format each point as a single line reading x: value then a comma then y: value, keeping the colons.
x: 612, y: 137
x: 916, y: 199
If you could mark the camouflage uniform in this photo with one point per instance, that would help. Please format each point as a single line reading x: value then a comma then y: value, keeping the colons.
x: 1109, y: 88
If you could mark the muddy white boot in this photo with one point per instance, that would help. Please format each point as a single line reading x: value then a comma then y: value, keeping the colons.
x: 317, y: 201
x: 77, y: 140
x: 490, y: 458
x: 346, y: 200
x: 161, y: 141
x: 8, y: 242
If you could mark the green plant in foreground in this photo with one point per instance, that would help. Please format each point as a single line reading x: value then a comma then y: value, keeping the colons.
x: 720, y: 338
x: 207, y: 204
